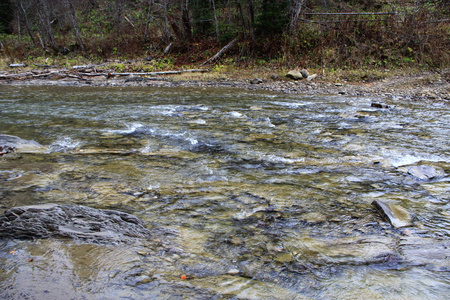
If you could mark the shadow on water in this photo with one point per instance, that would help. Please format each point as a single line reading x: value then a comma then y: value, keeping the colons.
x: 248, y: 195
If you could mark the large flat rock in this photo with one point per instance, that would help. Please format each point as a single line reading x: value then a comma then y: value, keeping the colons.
x: 71, y: 221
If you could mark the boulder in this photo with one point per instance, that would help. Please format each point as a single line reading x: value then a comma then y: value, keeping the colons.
x: 71, y: 221
x: 394, y: 214
x: 17, y: 143
x: 304, y: 73
x: 294, y: 74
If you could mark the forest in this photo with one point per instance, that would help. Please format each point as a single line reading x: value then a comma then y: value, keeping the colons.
x: 324, y: 33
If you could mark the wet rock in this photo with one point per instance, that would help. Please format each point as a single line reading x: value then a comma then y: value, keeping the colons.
x: 17, y: 143
x: 294, y: 74
x: 71, y: 221
x: 379, y: 105
x: 425, y: 172
x: 394, y: 214
x: 430, y: 252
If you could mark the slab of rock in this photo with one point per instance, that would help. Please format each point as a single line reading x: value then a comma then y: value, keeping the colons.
x: 71, y: 221
x: 17, y: 143
x: 424, y: 172
x: 394, y: 214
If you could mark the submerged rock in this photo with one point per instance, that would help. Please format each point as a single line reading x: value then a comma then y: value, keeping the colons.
x: 394, y: 214
x: 425, y: 172
x: 17, y: 143
x: 71, y: 221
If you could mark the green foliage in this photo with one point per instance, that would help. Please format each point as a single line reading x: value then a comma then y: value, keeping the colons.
x: 273, y: 18
x: 6, y: 16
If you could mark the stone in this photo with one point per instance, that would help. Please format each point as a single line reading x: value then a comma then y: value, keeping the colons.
x: 304, y: 73
x: 424, y: 172
x: 256, y: 81
x: 311, y: 77
x: 19, y: 144
x: 379, y: 105
x: 394, y: 214
x: 71, y: 221
x: 294, y: 74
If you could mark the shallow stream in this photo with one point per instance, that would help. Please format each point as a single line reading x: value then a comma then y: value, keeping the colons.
x: 251, y: 195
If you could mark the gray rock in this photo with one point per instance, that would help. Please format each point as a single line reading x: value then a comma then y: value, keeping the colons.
x: 304, y: 73
x: 425, y: 172
x: 394, y: 214
x: 71, y: 221
x: 294, y: 74
x: 18, y: 143
x: 256, y: 81
x: 311, y: 77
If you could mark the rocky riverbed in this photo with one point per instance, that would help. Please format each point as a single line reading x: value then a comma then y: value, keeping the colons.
x: 242, y: 193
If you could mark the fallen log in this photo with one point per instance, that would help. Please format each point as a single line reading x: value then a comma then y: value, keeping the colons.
x: 221, y: 52
x: 146, y: 73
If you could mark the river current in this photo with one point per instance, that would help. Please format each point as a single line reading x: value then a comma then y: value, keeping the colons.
x: 253, y: 195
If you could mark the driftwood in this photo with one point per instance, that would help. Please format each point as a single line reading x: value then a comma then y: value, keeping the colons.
x: 79, y: 75
x: 221, y: 52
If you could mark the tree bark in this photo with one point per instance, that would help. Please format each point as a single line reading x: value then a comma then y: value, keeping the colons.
x: 296, y: 8
x: 75, y: 24
x: 221, y: 52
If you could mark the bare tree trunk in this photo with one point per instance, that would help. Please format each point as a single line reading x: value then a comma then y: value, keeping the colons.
x: 75, y: 24
x: 147, y: 21
x: 296, y: 8
x: 44, y: 16
x: 166, y: 21
x: 22, y: 9
x: 216, y: 22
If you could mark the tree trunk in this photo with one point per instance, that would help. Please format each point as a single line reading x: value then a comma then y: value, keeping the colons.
x: 216, y: 22
x: 186, y: 20
x: 147, y: 21
x: 22, y: 9
x: 75, y: 24
x: 44, y: 16
x: 296, y: 8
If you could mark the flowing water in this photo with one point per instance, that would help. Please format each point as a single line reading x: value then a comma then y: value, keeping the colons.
x: 251, y: 195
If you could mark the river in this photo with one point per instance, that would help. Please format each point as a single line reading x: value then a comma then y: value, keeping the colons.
x: 251, y: 195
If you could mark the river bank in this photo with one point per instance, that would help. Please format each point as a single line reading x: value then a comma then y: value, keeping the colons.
x: 425, y: 85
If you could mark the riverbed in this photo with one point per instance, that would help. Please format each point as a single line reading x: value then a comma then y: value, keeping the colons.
x: 250, y: 194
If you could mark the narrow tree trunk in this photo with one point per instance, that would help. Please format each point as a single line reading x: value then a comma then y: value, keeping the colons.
x: 46, y: 24
x: 147, y: 21
x: 296, y: 8
x: 75, y: 24
x: 216, y: 22
x: 27, y: 23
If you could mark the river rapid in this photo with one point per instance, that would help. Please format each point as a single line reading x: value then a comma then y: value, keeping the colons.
x: 250, y: 194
